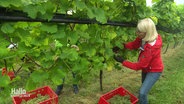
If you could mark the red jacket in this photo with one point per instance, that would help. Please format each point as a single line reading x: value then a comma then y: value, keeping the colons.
x: 149, y: 59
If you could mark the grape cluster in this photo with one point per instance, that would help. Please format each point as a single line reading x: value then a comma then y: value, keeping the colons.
x: 120, y: 100
x: 36, y: 100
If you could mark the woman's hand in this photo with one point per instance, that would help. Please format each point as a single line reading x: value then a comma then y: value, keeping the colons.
x: 116, y: 49
x: 119, y: 59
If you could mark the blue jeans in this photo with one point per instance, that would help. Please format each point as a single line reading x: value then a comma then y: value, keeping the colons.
x: 148, y: 80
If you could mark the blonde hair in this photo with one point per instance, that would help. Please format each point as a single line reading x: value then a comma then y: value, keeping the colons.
x: 148, y: 26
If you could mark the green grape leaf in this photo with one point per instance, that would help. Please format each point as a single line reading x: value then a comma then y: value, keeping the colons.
x: 125, y: 37
x: 4, y: 52
x: 155, y: 1
x: 90, y: 13
x: 30, y: 85
x: 46, y: 41
x: 108, y: 53
x: 112, y: 35
x: 39, y: 76
x: 80, y: 4
x: 100, y: 15
x: 97, y: 13
x: 7, y: 28
x: 73, y: 37
x: 71, y: 54
x: 8, y: 3
x: 48, y: 9
x: 83, y: 27
x: 4, y: 81
x: 57, y: 76
x: 31, y: 12
x: 22, y: 25
x: 49, y: 28
x: 58, y: 44
x: 60, y: 33
x: 91, y: 52
x: 81, y: 65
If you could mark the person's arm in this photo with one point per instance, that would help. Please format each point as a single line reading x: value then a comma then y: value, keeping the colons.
x: 134, y: 44
x: 143, y: 62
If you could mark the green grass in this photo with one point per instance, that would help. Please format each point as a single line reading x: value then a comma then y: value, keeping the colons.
x: 170, y: 88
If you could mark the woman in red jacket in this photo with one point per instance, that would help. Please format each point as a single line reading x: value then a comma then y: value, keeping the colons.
x: 149, y: 61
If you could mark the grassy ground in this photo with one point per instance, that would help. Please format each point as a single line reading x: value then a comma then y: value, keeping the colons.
x: 168, y: 90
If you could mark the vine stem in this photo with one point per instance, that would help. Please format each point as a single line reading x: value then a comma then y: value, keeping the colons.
x: 166, y: 48
x: 17, y: 70
x: 69, y: 68
x: 5, y: 63
x: 34, y: 61
x: 101, y: 73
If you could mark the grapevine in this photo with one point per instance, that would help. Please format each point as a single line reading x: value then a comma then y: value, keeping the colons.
x: 84, y: 48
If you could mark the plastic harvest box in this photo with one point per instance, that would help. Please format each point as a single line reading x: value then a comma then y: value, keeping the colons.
x: 118, y: 91
x: 46, y: 90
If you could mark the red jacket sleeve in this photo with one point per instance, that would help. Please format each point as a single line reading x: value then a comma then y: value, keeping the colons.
x: 134, y: 44
x: 143, y: 62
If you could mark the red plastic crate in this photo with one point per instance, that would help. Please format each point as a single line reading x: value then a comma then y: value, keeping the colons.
x: 46, y: 90
x: 119, y: 91
x: 9, y: 73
